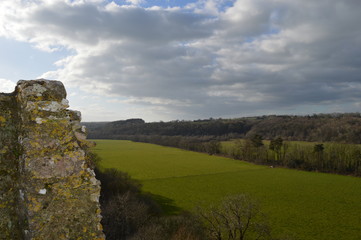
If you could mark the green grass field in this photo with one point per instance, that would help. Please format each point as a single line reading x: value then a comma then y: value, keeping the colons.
x: 311, y: 205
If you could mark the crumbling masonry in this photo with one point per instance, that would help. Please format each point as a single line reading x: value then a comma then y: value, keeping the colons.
x: 47, y: 189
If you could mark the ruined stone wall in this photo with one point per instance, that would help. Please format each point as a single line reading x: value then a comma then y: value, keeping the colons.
x: 47, y: 189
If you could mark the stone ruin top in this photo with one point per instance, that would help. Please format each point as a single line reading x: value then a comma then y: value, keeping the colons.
x: 48, y: 188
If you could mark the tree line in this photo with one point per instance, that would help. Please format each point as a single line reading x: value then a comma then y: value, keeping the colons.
x: 337, y: 156
x: 345, y: 128
x: 327, y: 157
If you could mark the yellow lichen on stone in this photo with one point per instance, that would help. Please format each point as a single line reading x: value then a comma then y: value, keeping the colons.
x: 4, y: 150
x: 2, y: 119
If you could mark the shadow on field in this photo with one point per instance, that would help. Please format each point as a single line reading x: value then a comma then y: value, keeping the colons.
x: 168, y: 205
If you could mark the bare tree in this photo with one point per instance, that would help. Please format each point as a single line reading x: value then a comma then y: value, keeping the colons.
x: 181, y: 227
x: 237, y: 217
x: 123, y: 215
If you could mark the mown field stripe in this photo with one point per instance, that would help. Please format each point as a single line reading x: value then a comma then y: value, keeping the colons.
x: 204, y: 174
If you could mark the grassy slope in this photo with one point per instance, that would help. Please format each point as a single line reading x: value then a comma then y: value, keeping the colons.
x: 312, y: 205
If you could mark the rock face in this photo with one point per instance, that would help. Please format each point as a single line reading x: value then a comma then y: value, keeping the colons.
x: 47, y: 188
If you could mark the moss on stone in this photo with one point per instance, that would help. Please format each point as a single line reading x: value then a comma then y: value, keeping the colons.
x: 9, y: 174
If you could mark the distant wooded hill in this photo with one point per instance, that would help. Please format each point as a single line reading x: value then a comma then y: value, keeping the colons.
x: 321, y: 127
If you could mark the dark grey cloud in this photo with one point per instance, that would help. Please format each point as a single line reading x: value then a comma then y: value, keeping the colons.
x: 88, y: 23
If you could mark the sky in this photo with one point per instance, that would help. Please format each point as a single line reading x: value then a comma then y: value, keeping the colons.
x: 186, y: 60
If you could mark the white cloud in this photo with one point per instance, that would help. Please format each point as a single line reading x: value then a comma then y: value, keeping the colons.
x: 6, y: 86
x: 206, y: 59
x: 211, y: 7
x: 135, y: 2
